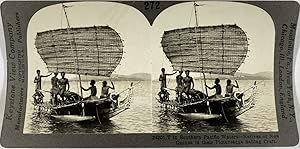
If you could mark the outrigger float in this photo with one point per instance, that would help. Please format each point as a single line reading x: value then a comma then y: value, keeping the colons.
x: 220, y: 50
x: 92, y: 51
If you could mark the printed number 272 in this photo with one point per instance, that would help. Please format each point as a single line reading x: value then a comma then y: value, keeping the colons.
x: 150, y: 5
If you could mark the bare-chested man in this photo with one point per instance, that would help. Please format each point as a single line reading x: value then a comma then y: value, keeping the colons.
x: 179, y: 87
x: 163, y: 78
x: 105, y: 89
x: 229, y: 88
x: 38, y: 95
x: 163, y: 83
x: 62, y: 86
x: 188, y: 83
x: 93, y: 90
x: 38, y: 80
x: 218, y: 89
x: 54, y: 89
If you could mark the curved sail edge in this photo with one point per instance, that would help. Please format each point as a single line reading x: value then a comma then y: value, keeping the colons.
x: 95, y: 51
x: 217, y: 49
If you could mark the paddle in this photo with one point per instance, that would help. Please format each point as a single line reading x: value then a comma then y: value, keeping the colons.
x: 131, y: 86
x: 45, y: 91
x: 253, y: 86
x: 171, y: 89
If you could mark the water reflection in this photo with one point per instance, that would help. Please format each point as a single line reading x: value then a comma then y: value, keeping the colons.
x: 42, y: 122
x: 137, y: 119
x: 147, y: 116
x: 262, y: 118
x: 170, y: 122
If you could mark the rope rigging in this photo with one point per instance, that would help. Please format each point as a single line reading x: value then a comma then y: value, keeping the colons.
x: 190, y: 17
x: 73, y: 43
x: 53, y: 46
x: 223, y: 51
x: 98, y: 51
x: 197, y: 47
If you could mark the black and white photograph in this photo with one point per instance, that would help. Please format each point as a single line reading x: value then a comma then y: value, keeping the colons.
x: 214, y: 70
x: 89, y: 70
x: 101, y: 67
x: 128, y: 74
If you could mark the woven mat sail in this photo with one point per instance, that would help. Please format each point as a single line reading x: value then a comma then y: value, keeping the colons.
x: 95, y: 51
x: 221, y: 49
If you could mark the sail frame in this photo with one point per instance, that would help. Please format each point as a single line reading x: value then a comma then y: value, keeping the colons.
x: 95, y: 50
x: 217, y: 49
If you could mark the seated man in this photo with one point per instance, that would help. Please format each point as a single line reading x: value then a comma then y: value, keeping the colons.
x: 163, y: 95
x: 229, y: 88
x: 93, y: 89
x: 105, y: 89
x: 38, y: 97
x: 197, y: 95
x: 218, y: 88
x: 105, y: 94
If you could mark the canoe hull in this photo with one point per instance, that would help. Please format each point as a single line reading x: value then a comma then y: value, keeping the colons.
x: 200, y: 116
x: 92, y: 110
x: 73, y: 118
x: 226, y: 108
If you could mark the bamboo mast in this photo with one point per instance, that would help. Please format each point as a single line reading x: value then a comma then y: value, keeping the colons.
x: 196, y: 16
x: 76, y: 52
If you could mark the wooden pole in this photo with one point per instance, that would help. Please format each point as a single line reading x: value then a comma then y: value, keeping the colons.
x: 196, y: 16
x: 64, y: 7
x: 80, y: 85
x: 205, y: 83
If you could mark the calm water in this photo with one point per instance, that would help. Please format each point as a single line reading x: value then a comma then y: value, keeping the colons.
x: 145, y: 114
x: 137, y: 119
x: 262, y: 118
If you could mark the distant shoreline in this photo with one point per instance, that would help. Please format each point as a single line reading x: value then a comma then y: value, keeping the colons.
x: 147, y: 77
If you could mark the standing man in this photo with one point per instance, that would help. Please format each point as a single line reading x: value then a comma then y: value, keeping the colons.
x: 38, y: 95
x: 163, y: 78
x: 54, y: 89
x: 62, y: 86
x: 163, y: 84
x: 38, y: 80
x: 179, y: 88
x: 188, y: 83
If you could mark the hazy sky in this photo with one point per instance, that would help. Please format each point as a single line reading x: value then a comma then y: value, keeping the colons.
x: 143, y: 51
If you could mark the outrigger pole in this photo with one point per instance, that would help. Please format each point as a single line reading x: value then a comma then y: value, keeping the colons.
x: 68, y: 29
x: 196, y: 16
